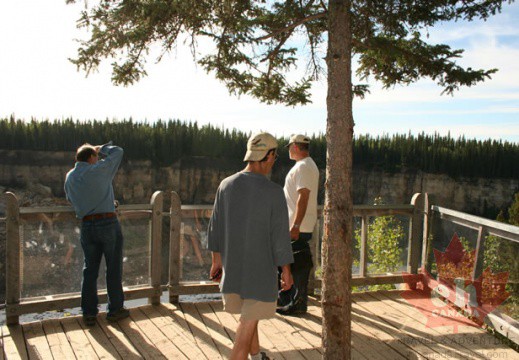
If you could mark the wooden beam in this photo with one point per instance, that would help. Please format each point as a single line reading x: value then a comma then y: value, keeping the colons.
x: 314, y: 244
x: 505, y: 231
x: 71, y: 300
x: 174, y: 246
x: 364, y: 246
x: 504, y: 325
x: 382, y: 279
x: 415, y: 233
x: 377, y: 210
x: 157, y: 201
x: 13, y: 258
x: 194, y: 288
x: 426, y: 227
x: 70, y: 209
x: 480, y: 251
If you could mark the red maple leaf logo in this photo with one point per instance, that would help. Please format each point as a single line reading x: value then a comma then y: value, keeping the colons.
x: 465, y: 295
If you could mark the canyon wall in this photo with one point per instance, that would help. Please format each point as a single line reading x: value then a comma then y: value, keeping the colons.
x: 196, y: 180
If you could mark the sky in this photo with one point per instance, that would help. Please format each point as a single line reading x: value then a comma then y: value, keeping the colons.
x: 38, y: 81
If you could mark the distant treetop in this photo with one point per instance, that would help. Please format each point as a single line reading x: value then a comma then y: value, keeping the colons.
x: 165, y: 142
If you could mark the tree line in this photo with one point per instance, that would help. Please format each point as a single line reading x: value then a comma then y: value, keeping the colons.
x: 165, y: 142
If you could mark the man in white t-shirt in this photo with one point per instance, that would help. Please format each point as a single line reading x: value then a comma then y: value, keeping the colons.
x: 300, y: 189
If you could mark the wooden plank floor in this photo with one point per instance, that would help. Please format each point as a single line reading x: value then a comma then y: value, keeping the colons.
x: 384, y: 326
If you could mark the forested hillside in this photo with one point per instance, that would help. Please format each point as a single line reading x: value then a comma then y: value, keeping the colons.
x: 164, y: 142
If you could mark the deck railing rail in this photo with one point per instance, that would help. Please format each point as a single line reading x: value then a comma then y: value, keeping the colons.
x: 502, y: 323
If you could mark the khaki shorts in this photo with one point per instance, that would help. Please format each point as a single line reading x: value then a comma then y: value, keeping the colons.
x: 248, y: 308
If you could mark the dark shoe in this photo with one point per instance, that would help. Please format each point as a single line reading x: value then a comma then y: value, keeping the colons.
x: 264, y: 356
x: 122, y: 313
x: 293, y: 311
x: 89, y: 320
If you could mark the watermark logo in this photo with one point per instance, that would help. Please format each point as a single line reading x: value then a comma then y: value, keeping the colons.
x: 456, y: 298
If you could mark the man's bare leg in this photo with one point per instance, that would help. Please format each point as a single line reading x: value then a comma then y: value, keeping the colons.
x: 244, y: 339
x: 254, y: 346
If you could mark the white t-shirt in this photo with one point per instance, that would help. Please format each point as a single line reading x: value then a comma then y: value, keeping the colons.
x: 304, y: 174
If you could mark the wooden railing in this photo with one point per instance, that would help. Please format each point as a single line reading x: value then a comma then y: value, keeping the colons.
x: 483, y: 226
x: 502, y: 323
x: 416, y: 212
x: 419, y: 212
x: 15, y: 215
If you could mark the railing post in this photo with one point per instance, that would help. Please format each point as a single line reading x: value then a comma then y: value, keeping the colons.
x: 174, y: 246
x: 13, y: 255
x: 363, y: 263
x: 431, y: 223
x: 157, y: 201
x: 426, y: 227
x: 415, y: 233
x: 314, y: 249
x: 480, y: 251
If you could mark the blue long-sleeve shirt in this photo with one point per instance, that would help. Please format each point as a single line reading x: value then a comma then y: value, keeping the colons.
x: 89, y: 186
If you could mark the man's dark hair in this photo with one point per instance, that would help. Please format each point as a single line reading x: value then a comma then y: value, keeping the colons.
x: 84, y: 152
x: 266, y: 155
x: 303, y: 146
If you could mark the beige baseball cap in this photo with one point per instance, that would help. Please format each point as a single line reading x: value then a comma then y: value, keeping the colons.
x: 299, y: 139
x: 259, y: 145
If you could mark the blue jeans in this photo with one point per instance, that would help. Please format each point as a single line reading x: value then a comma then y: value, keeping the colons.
x: 102, y: 237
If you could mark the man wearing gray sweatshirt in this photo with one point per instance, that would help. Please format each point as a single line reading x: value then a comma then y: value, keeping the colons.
x: 249, y: 238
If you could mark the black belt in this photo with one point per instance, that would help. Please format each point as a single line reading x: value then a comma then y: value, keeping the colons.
x: 100, y: 216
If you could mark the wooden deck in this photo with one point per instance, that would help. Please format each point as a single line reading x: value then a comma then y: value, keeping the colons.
x: 384, y: 326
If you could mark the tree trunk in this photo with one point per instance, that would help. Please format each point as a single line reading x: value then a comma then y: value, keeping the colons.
x: 338, y: 209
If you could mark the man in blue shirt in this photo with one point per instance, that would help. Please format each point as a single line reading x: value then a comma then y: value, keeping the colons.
x: 88, y: 187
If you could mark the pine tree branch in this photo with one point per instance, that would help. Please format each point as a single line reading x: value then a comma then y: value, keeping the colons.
x: 292, y: 26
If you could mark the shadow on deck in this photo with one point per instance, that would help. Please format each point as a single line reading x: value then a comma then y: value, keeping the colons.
x: 384, y: 326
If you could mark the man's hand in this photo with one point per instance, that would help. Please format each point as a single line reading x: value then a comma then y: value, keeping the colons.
x: 286, y: 278
x: 301, y: 205
x: 215, y: 274
x: 294, y: 232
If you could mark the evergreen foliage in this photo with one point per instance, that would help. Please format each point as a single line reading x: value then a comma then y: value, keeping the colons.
x: 501, y: 256
x: 255, y: 44
x: 165, y: 142
x: 384, y: 247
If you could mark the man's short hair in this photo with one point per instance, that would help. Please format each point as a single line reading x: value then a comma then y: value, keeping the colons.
x: 303, y: 146
x: 267, y: 155
x: 84, y: 152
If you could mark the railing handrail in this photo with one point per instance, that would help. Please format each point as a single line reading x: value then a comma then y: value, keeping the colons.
x: 493, y: 227
x: 70, y: 209
x: 377, y: 210
x: 358, y: 210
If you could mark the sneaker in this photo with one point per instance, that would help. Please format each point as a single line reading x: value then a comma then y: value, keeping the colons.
x: 118, y: 314
x: 264, y: 356
x: 293, y: 311
x: 259, y: 356
x: 89, y: 320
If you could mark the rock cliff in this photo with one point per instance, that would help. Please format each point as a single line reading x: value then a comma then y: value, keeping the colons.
x: 196, y: 180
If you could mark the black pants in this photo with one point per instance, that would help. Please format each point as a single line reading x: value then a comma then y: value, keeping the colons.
x: 301, y: 271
